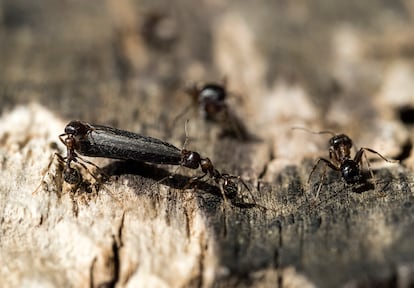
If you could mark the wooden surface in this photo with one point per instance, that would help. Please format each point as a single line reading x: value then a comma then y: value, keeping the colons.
x: 344, y: 67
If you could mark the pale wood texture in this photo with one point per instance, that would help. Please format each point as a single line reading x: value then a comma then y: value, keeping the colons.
x: 344, y: 67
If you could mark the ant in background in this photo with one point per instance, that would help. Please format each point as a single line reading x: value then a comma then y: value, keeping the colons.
x: 211, y: 100
x: 340, y: 157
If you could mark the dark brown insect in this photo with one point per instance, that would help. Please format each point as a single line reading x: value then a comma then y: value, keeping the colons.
x: 211, y: 100
x: 340, y: 159
x: 70, y: 174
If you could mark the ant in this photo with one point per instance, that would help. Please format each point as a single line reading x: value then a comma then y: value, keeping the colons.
x: 211, y: 100
x: 340, y: 157
x: 193, y: 160
x: 213, y: 107
x: 70, y: 174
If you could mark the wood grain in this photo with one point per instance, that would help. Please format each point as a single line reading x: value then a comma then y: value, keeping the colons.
x: 126, y: 63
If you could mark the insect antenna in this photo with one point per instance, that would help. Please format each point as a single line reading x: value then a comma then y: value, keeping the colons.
x: 314, y: 132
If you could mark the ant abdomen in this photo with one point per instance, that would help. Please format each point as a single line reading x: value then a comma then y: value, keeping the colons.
x: 72, y: 176
x: 351, y: 172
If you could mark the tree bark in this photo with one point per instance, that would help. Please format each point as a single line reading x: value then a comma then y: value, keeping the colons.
x: 151, y: 225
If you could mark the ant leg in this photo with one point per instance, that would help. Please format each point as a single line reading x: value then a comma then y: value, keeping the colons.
x: 320, y: 184
x: 358, y: 155
x: 171, y: 176
x: 224, y: 208
x: 92, y: 164
x: 326, y: 162
x: 61, y: 160
x: 61, y: 138
x: 223, y: 186
x: 247, y: 188
x: 331, y: 153
x: 227, y: 179
x: 358, y: 159
x: 197, y: 178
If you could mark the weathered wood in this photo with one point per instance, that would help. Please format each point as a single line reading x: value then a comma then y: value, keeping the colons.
x: 147, y: 226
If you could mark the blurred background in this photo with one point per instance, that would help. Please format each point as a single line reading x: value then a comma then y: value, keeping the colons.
x: 343, y: 66
x: 113, y: 61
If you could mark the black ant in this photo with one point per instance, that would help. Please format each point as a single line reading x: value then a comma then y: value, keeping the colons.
x: 340, y: 157
x: 193, y: 160
x: 213, y: 107
x: 211, y: 99
x: 70, y: 174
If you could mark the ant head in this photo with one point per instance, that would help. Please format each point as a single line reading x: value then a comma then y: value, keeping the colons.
x: 350, y: 171
x: 72, y: 176
x: 190, y: 159
x: 212, y: 93
x: 340, y: 140
x: 77, y: 128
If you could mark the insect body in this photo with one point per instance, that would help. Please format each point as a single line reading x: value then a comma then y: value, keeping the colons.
x: 340, y: 158
x: 211, y: 100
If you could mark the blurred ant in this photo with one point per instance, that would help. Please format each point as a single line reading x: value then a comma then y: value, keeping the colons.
x: 340, y: 157
x: 211, y: 99
x: 72, y: 175
x: 213, y: 107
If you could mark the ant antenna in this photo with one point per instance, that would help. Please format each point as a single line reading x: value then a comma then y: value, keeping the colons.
x: 224, y: 80
x: 182, y: 113
x: 314, y: 132
x: 186, y: 134
x: 183, y: 148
